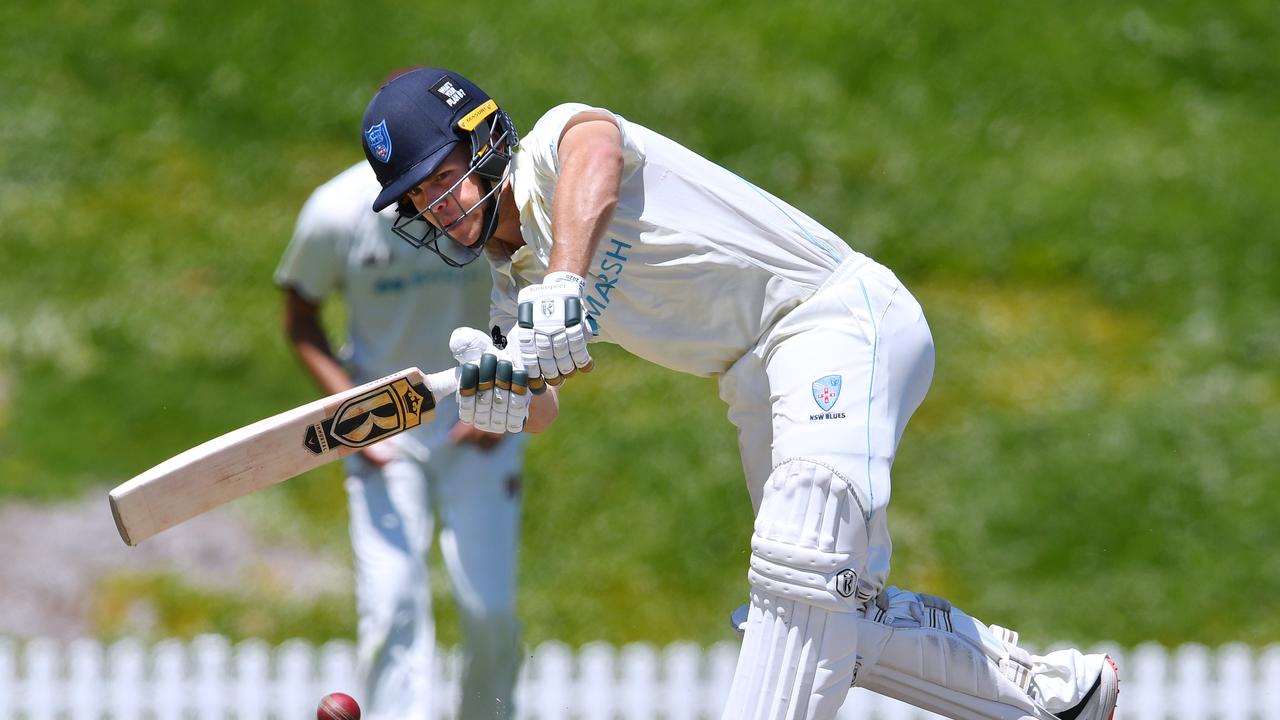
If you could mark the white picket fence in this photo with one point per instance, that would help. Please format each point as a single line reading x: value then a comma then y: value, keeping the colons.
x: 210, y: 678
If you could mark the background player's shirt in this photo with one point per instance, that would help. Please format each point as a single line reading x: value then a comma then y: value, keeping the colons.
x: 696, y: 264
x: 401, y: 303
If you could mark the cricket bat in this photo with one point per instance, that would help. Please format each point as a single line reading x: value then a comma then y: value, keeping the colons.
x: 273, y: 450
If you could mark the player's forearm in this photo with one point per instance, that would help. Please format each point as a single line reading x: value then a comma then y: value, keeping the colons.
x: 323, y: 367
x: 586, y: 194
x: 309, y: 343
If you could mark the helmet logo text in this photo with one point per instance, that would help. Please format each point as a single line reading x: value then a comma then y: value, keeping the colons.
x: 450, y: 93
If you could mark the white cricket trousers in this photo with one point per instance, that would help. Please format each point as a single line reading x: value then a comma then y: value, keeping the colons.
x: 820, y: 404
x: 476, y: 497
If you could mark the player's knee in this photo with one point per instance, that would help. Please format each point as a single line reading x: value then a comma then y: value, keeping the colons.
x: 822, y: 579
x: 390, y: 627
x: 810, y: 543
x: 392, y: 590
x: 494, y: 634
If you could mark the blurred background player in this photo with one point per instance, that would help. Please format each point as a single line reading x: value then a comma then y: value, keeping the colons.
x: 400, y: 306
x: 596, y: 226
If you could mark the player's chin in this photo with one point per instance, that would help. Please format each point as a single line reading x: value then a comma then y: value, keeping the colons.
x: 467, y: 231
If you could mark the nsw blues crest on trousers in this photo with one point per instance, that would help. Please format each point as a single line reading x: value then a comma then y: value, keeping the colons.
x: 826, y: 390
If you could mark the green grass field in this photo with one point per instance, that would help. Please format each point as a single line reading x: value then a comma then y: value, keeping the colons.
x: 1083, y: 196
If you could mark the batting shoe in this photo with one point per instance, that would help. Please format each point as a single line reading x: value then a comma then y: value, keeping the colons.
x: 1100, y: 702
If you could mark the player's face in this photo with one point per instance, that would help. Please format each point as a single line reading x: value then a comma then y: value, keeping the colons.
x: 451, y: 196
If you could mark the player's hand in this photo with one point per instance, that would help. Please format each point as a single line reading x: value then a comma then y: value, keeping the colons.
x: 551, y: 329
x: 493, y: 390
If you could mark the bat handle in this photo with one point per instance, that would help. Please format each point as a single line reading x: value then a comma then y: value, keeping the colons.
x: 442, y: 384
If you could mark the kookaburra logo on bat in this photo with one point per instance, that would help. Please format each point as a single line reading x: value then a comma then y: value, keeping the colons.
x: 846, y: 583
x: 365, y: 419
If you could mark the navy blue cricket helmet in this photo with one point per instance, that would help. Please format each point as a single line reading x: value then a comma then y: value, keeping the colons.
x: 412, y: 124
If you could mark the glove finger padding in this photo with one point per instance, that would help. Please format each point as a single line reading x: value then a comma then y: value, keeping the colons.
x: 492, y: 395
x: 545, y: 357
x: 578, y: 338
x: 518, y: 401
x: 501, y: 393
x: 522, y: 342
x: 576, y: 335
x: 484, y: 391
x: 511, y: 399
x: 560, y: 349
x: 468, y: 382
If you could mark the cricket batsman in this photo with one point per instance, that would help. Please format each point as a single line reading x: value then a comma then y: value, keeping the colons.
x: 596, y: 228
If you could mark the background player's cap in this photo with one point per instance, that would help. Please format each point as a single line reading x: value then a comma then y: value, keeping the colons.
x: 413, y: 123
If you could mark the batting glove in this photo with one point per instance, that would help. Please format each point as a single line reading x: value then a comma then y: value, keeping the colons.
x: 493, y: 390
x: 551, y: 329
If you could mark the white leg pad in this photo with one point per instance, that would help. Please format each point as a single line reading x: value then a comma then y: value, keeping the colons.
x: 808, y: 552
x: 810, y: 541
x: 797, y: 662
x: 920, y: 650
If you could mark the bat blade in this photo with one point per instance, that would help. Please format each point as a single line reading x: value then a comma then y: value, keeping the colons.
x: 273, y: 450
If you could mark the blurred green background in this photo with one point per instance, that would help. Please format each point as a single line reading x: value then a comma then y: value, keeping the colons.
x: 1082, y: 194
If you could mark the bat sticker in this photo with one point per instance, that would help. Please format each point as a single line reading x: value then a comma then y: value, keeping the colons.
x: 384, y: 411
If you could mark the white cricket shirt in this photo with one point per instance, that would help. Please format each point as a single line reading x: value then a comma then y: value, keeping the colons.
x: 696, y: 264
x: 401, y: 303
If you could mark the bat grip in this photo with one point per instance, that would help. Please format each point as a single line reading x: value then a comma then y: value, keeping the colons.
x: 443, y: 384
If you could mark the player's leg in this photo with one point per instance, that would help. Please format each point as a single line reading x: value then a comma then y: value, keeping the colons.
x: 919, y: 649
x: 808, y: 550
x: 479, y: 497
x: 925, y: 652
x: 390, y: 525
x: 844, y: 378
x: 912, y: 651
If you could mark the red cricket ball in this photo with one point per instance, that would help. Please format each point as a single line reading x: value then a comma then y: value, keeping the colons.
x: 338, y: 706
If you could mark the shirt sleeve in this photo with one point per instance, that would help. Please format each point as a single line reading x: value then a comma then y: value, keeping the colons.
x: 544, y: 146
x: 312, y: 262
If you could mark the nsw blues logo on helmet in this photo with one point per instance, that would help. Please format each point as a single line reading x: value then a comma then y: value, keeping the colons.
x: 379, y: 141
x: 826, y: 390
